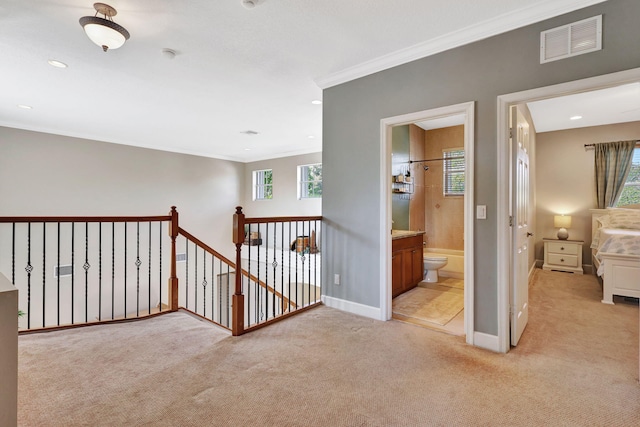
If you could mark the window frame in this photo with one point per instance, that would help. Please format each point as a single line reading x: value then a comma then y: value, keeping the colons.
x: 634, y: 172
x: 303, y: 185
x: 262, y: 190
x: 448, y: 171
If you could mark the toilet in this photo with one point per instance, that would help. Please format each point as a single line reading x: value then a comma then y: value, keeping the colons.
x: 431, y: 266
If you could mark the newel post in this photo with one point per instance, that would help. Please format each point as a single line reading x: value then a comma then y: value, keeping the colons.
x: 237, y: 320
x: 173, y: 279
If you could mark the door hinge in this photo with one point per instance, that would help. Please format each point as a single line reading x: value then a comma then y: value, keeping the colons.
x: 511, y: 133
x: 510, y: 220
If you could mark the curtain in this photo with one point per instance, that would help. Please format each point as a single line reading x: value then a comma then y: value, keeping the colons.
x: 612, y: 166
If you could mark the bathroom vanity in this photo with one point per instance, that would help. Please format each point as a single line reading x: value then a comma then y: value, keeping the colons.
x: 406, y: 260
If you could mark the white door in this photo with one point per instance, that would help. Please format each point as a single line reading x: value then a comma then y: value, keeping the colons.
x: 520, y: 224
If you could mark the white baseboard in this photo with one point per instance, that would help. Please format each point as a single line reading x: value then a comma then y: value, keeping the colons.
x: 486, y: 341
x: 353, y: 307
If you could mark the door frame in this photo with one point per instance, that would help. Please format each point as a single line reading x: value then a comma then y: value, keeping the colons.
x: 468, y: 110
x: 505, y: 256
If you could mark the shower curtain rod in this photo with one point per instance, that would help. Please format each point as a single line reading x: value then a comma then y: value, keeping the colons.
x: 435, y: 160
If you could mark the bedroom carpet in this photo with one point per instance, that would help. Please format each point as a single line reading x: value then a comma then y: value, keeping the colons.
x: 576, y: 365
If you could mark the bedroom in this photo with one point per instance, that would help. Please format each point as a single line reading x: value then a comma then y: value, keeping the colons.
x: 564, y: 184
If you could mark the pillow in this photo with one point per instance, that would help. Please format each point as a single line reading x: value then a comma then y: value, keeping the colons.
x: 624, y: 218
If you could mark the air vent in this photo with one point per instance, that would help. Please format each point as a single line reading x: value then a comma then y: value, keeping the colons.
x: 181, y: 257
x: 570, y: 40
x: 62, y: 271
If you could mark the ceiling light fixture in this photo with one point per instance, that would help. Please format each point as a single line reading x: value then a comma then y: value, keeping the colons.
x: 249, y: 4
x: 316, y: 102
x: 575, y: 117
x: 103, y: 31
x: 25, y: 107
x: 168, y: 53
x: 56, y: 63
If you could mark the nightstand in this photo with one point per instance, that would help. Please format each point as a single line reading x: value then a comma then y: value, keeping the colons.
x: 563, y: 255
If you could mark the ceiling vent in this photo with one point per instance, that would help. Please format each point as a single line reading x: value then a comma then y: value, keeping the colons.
x: 570, y: 40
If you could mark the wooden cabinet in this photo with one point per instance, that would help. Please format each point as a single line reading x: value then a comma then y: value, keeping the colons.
x: 406, y: 264
x: 563, y: 255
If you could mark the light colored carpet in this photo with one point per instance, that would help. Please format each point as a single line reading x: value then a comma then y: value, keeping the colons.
x: 576, y: 365
x: 430, y: 305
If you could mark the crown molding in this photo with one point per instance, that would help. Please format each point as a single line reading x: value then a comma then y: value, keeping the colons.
x: 498, y: 25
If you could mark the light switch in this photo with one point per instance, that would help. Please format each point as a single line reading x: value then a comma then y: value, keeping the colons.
x: 481, y: 212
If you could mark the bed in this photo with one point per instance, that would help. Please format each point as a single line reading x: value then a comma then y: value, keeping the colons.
x: 615, y: 248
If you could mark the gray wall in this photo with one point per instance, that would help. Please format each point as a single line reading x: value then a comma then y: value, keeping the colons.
x: 477, y: 72
x: 44, y: 174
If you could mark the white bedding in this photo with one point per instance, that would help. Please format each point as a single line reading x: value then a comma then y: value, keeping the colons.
x: 617, y: 241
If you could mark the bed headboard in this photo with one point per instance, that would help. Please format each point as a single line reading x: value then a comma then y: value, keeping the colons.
x: 596, y: 213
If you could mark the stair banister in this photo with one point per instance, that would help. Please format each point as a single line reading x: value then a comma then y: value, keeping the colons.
x: 237, y: 325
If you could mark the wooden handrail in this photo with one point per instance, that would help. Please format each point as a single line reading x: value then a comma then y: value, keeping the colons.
x: 282, y: 219
x: 18, y: 219
x: 204, y: 246
x: 285, y: 301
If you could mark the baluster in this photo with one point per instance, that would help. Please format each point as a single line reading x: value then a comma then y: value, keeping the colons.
x: 160, y: 265
x: 86, y: 267
x: 73, y: 271
x: 13, y: 253
x: 125, y: 269
x: 113, y: 268
x: 149, y: 294
x: 204, y: 283
x: 275, y: 266
x: 29, y: 268
x: 297, y: 305
x: 289, y: 276
x: 186, y: 269
x: 195, y: 278
x: 44, y: 277
x: 138, y: 264
x: 58, y: 281
x: 100, y: 271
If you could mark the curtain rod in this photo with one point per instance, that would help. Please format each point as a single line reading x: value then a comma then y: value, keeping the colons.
x: 593, y: 145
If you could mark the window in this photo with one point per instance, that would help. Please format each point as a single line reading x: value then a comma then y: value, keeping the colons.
x: 263, y: 184
x: 310, y: 181
x: 453, y: 172
x: 631, y: 192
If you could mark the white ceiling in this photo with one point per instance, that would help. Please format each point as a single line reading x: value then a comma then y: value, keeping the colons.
x: 618, y: 104
x: 235, y: 69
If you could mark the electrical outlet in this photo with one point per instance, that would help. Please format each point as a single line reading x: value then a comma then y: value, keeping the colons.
x: 336, y: 279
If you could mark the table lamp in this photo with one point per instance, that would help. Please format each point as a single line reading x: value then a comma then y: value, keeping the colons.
x: 563, y: 222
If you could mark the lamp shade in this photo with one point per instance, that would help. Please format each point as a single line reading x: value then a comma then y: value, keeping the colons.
x: 106, y: 34
x: 562, y: 221
x: 103, y: 31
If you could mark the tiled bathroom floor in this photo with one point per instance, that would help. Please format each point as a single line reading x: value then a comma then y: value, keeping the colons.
x: 456, y: 325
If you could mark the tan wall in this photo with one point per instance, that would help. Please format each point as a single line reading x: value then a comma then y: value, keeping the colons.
x: 416, y: 152
x: 44, y: 174
x: 565, y: 179
x: 285, y: 180
x: 444, y: 216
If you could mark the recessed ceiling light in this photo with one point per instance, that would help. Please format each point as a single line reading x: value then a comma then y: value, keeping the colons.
x: 316, y: 102
x: 249, y: 132
x: 247, y: 149
x: 56, y: 63
x: 25, y: 107
x: 311, y: 137
x: 575, y: 117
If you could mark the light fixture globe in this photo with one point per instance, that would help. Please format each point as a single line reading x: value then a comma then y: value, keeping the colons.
x: 103, y: 31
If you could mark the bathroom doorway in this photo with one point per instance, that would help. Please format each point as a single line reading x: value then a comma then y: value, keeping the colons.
x: 435, y: 303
